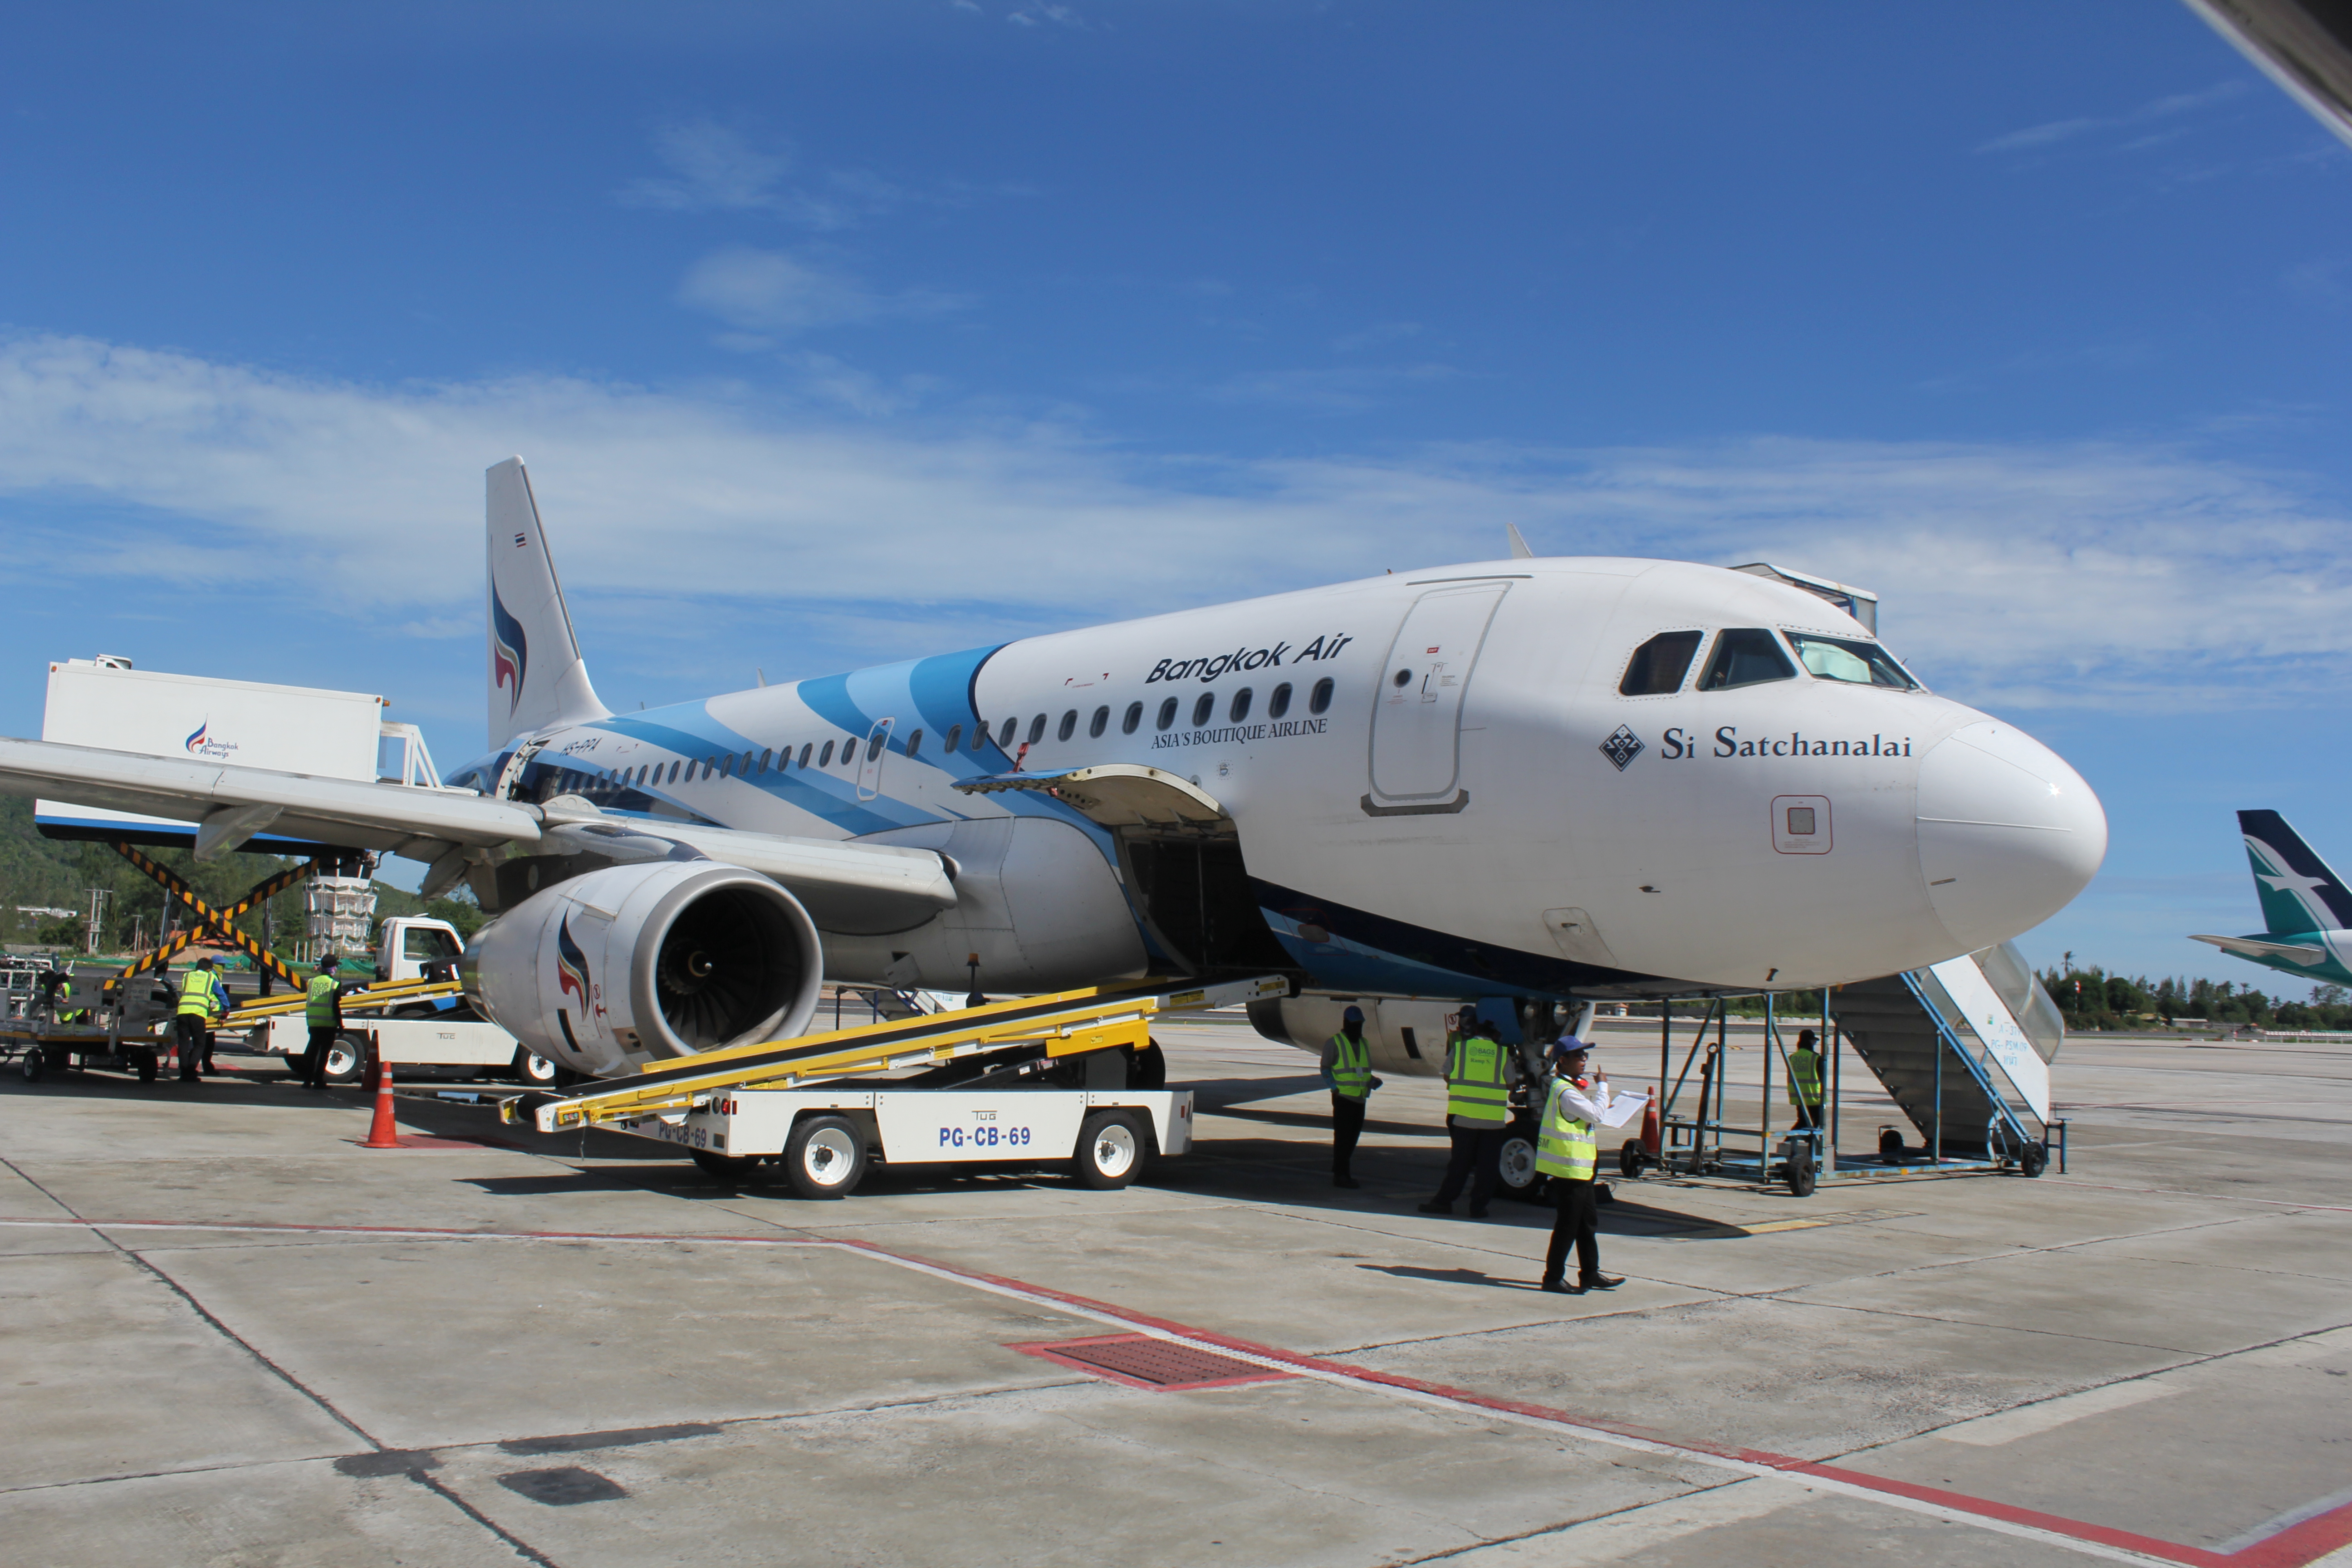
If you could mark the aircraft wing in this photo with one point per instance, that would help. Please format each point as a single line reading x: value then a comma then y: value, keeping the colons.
x: 846, y: 887
x: 2255, y: 947
x: 2304, y: 46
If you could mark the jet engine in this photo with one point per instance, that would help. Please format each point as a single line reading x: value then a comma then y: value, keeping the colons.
x: 632, y: 963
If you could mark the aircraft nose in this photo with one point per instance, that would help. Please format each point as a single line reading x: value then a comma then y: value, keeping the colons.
x: 2008, y: 833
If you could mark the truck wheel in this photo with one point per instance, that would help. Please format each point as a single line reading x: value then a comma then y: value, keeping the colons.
x: 725, y: 1168
x: 1890, y: 1144
x: 1799, y: 1170
x: 1515, y: 1164
x: 346, y: 1060
x: 1110, y: 1150
x: 2034, y: 1159
x: 30, y: 1064
x: 825, y: 1157
x: 533, y: 1070
x: 146, y: 1064
x: 1631, y: 1158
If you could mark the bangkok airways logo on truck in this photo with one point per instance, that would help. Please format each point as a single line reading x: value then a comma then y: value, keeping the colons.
x: 202, y: 743
x: 510, y: 649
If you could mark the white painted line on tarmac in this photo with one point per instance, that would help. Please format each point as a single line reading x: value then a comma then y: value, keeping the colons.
x: 2026, y: 1421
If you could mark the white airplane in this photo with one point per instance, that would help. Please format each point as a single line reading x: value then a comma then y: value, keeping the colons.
x: 1529, y: 779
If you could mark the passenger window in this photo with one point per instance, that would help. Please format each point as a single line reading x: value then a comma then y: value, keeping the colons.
x: 955, y: 739
x: 1036, y: 729
x: 673, y: 771
x: 727, y: 768
x: 914, y: 742
x: 1240, y: 710
x: 1128, y: 725
x: 767, y: 759
x: 824, y: 758
x: 874, y: 744
x: 1320, y: 697
x: 1202, y: 709
x: 1005, y: 735
x: 1166, y: 713
x: 1745, y: 655
x: 1100, y: 722
x: 1850, y: 658
x: 1658, y: 666
x: 807, y: 746
x: 1069, y: 726
x: 1279, y: 703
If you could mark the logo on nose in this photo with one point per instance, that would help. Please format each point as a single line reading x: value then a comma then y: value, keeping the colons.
x: 1621, y: 747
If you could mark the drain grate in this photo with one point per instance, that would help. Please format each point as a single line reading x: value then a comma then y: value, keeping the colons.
x: 563, y: 1488
x: 1139, y: 1361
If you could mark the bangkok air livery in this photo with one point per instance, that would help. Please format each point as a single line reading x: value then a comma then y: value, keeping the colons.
x: 1530, y: 779
x: 2306, y: 911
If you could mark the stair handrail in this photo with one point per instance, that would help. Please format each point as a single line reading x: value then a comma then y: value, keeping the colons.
x: 1947, y: 1036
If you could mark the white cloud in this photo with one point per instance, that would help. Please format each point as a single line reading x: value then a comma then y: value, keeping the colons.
x: 2034, y: 138
x: 774, y: 291
x: 711, y: 167
x: 2013, y: 574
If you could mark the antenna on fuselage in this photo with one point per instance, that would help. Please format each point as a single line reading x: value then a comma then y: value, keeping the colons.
x: 1520, y: 551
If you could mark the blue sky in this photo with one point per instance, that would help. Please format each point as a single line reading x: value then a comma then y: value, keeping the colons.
x: 836, y: 332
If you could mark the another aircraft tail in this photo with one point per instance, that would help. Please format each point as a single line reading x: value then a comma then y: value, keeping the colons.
x: 2299, y: 893
x: 537, y: 677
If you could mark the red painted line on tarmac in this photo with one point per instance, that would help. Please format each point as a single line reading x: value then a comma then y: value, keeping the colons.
x: 2293, y: 1547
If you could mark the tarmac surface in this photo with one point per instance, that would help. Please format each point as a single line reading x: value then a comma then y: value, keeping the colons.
x: 230, y: 1336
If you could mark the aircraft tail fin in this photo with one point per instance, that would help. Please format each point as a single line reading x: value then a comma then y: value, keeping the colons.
x: 2299, y: 892
x: 537, y: 677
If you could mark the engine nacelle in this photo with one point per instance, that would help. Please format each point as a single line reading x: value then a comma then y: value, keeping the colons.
x: 634, y: 964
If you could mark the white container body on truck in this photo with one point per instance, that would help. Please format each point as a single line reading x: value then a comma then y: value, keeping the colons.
x: 287, y: 729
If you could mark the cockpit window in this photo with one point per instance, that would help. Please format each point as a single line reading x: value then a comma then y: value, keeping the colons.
x: 1658, y: 666
x: 1745, y: 655
x: 1850, y: 658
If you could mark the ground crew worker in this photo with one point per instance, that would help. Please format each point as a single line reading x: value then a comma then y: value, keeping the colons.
x: 1805, y: 1082
x: 201, y: 1000
x: 1348, y: 1068
x: 1477, y: 1109
x: 1566, y: 1150
x: 322, y: 1009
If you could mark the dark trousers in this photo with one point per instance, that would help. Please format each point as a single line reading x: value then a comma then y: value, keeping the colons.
x: 1577, y: 1221
x: 1346, y: 1126
x: 1808, y: 1116
x: 1476, y: 1157
x: 314, y: 1060
x: 188, y: 1030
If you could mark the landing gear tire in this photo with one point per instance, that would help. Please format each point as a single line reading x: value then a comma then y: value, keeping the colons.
x: 1799, y: 1171
x: 1630, y: 1158
x: 825, y: 1157
x: 723, y: 1167
x: 1110, y: 1150
x: 2033, y: 1161
x: 528, y: 1067
x: 1150, y: 1069
x: 1514, y: 1166
x: 346, y: 1061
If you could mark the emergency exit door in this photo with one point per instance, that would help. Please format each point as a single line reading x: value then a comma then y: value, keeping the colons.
x: 1416, y: 753
x: 869, y: 762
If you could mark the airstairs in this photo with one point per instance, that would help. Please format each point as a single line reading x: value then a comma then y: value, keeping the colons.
x: 1964, y: 1050
x: 1002, y: 1039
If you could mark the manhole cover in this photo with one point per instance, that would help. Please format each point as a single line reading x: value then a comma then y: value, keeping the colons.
x: 563, y: 1488
x: 1141, y: 1361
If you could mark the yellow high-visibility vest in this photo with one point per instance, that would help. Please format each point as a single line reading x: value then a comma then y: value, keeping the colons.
x: 1564, y: 1144
x: 1351, y: 1070
x: 1805, y: 1079
x: 1475, y: 1089
x: 200, y: 993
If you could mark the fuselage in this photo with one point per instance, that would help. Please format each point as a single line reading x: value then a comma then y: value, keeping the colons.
x: 1472, y: 780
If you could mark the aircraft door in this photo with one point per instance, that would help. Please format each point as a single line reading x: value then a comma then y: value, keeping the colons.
x: 1416, y: 761
x: 869, y: 761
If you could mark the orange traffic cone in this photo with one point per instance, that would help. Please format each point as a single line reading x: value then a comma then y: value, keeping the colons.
x: 381, y: 1132
x: 1650, y: 1138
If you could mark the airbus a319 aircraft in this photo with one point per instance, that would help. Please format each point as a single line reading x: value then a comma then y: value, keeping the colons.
x: 1530, y: 778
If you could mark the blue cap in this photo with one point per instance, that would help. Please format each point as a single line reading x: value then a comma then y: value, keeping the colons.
x: 1353, y: 1016
x: 1568, y: 1046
